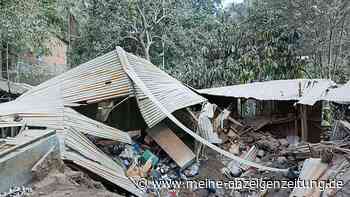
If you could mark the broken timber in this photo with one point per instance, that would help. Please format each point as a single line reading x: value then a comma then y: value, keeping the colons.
x: 172, y: 145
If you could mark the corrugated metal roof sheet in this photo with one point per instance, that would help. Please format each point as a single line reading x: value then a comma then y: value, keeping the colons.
x: 311, y: 89
x: 83, y: 152
x: 89, y: 126
x: 99, y: 79
x: 315, y: 91
x: 103, y: 78
x: 340, y: 94
x: 171, y: 93
x: 40, y: 110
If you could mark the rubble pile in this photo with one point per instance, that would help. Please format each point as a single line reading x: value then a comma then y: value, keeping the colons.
x: 284, y: 153
x: 146, y: 159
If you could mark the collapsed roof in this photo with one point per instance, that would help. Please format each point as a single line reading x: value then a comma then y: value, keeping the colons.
x: 106, y: 77
x: 304, y: 91
x: 116, y: 74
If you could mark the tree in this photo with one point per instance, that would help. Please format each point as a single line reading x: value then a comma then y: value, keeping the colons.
x: 134, y: 24
x: 325, y: 28
x: 204, y: 45
x: 25, y: 25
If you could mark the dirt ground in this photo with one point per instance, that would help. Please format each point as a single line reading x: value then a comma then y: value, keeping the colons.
x: 69, y: 184
x: 209, y: 169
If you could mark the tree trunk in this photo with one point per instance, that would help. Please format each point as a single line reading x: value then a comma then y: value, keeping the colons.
x: 330, y: 52
x: 147, y: 55
x: 7, y: 62
x: 1, y: 58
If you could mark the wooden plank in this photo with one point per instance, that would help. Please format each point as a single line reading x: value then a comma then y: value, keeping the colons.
x: 312, y: 170
x: 304, y: 129
x: 172, y: 145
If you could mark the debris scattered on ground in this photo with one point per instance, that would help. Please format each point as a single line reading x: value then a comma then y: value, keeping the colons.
x: 69, y: 183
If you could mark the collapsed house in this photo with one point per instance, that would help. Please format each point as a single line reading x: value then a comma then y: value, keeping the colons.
x: 284, y: 109
x: 340, y: 96
x: 290, y: 107
x: 110, y: 98
x: 97, y: 89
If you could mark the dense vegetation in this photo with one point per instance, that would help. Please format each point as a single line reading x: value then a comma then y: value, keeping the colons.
x: 200, y: 42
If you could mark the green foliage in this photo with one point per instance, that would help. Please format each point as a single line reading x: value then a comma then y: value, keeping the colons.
x: 25, y: 24
x: 199, y: 42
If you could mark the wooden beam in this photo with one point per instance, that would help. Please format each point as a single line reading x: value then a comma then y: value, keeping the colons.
x: 304, y: 127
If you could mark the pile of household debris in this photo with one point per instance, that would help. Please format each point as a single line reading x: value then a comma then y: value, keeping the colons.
x: 327, y: 160
x: 166, y: 131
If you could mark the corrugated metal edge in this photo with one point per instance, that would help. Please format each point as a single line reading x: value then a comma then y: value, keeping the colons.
x: 311, y: 95
x: 84, y: 153
x: 92, y: 127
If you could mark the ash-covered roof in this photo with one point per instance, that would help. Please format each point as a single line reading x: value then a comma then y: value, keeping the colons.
x: 305, y: 91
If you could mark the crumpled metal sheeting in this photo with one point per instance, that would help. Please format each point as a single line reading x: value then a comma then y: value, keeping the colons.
x: 147, y: 108
x: 205, y: 126
x: 104, y: 172
x: 170, y: 92
x: 84, y: 153
x: 49, y: 103
x: 99, y: 79
x: 39, y: 110
x: 312, y: 90
x: 78, y: 142
x: 92, y: 127
x: 131, y: 73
